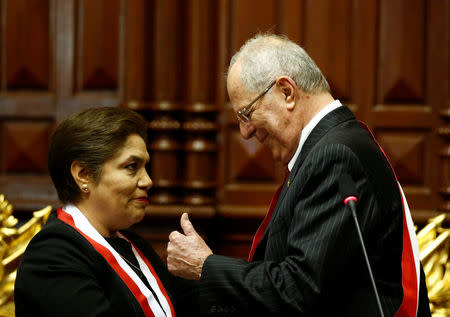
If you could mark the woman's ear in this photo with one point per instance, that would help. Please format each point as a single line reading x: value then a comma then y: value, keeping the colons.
x: 288, y: 89
x: 80, y: 174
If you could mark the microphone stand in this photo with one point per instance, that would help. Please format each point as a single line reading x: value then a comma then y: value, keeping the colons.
x: 350, y: 201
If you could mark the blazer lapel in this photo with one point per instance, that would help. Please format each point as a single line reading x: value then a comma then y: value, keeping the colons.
x: 332, y: 119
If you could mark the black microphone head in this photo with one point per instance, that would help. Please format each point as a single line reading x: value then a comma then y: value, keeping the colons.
x: 347, y: 186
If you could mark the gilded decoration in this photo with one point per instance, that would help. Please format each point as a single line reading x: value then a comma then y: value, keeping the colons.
x: 13, y: 242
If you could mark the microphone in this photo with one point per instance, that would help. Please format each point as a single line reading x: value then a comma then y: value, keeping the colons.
x: 347, y: 188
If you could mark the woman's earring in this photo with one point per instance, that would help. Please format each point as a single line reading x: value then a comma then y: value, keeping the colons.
x: 84, y: 187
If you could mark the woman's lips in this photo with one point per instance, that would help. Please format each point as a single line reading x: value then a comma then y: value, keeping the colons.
x: 143, y: 200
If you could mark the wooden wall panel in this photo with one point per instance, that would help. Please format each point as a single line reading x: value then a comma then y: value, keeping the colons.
x: 27, y: 101
x: 27, y: 20
x: 39, y: 68
x: 291, y: 14
x: 408, y: 154
x: 246, y: 20
x: 26, y: 145
x: 387, y: 60
x: 99, y: 53
x: 90, y: 49
x: 249, y: 160
x: 29, y: 105
x: 363, y: 47
x: 401, y: 52
x: 438, y: 95
x: 402, y: 104
x: 328, y: 42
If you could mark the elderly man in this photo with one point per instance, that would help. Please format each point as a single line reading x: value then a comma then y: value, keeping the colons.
x: 306, y: 258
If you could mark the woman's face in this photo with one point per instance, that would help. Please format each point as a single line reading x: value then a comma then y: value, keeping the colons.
x: 120, y: 197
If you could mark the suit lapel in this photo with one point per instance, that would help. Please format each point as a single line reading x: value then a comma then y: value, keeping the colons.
x: 332, y: 119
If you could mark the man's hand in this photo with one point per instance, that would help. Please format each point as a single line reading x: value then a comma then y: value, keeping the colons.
x: 186, y: 252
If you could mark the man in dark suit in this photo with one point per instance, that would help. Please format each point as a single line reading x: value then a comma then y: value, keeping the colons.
x: 306, y: 258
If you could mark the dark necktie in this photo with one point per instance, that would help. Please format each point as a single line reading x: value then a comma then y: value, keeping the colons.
x: 263, y: 226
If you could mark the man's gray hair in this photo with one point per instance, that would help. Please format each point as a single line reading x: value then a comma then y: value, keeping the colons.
x: 265, y: 57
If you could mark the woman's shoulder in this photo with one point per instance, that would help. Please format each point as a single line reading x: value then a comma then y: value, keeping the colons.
x: 57, y: 243
x: 56, y: 230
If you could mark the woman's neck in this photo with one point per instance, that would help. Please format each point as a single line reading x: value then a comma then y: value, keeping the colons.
x: 95, y: 220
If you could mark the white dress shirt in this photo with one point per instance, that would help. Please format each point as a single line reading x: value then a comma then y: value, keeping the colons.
x: 310, y: 126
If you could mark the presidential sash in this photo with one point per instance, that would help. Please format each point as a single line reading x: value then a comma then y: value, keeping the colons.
x: 410, y: 253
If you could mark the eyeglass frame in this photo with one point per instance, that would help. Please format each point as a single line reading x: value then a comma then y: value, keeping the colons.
x: 241, y: 114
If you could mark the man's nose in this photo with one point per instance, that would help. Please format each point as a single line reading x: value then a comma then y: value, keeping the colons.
x: 247, y: 130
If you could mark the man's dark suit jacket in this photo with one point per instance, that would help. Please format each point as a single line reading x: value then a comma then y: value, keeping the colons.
x: 309, y: 261
x: 61, y: 274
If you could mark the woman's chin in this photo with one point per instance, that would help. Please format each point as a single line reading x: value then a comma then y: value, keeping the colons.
x: 140, y: 214
x: 135, y: 217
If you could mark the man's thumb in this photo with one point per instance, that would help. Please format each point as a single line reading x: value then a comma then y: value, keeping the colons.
x: 186, y: 225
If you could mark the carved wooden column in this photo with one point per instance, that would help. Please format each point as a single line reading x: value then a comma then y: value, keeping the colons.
x: 199, y: 126
x: 200, y: 156
x: 165, y: 88
x: 165, y: 159
x: 154, y: 87
x: 155, y: 62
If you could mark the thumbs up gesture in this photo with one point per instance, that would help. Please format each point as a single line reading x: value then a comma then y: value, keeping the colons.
x: 186, y: 252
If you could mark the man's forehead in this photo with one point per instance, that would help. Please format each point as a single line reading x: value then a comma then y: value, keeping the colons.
x: 234, y: 73
x: 238, y: 94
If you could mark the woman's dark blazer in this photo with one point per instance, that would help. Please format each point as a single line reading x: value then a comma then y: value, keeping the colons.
x: 61, y: 274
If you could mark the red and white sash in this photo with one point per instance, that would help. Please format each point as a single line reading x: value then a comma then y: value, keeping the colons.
x: 410, y: 254
x: 71, y: 215
x: 410, y: 265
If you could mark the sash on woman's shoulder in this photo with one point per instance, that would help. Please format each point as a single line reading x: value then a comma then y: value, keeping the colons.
x: 71, y: 215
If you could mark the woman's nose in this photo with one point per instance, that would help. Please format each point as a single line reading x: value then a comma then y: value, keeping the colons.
x: 145, y: 181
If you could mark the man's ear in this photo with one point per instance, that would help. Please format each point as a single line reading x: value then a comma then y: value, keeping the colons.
x: 80, y: 173
x: 289, y: 90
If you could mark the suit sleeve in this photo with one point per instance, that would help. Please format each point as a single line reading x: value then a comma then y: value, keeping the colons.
x: 55, y: 279
x: 315, y: 255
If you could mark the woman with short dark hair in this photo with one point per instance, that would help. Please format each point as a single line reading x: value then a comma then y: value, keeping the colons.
x: 83, y: 262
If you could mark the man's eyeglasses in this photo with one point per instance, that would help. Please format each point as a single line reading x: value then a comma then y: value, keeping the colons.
x: 243, y: 114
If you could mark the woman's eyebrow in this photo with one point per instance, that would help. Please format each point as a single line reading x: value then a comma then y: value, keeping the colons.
x: 136, y: 158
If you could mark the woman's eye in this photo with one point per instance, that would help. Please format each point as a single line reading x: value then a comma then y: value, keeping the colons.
x: 131, y: 167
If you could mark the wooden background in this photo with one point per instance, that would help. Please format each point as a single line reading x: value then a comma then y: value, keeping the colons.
x: 387, y: 59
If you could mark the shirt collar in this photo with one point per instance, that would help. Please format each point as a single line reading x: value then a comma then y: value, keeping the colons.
x: 310, y: 126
